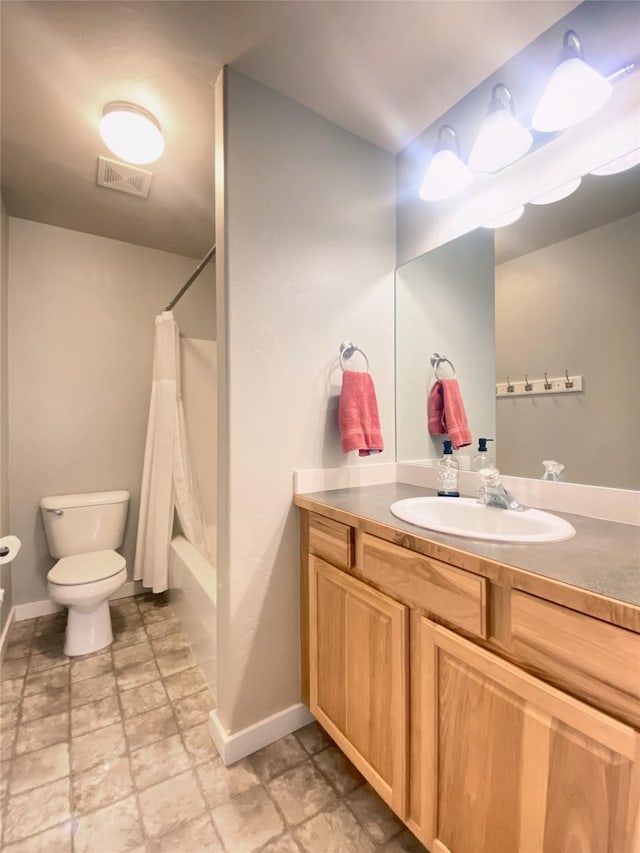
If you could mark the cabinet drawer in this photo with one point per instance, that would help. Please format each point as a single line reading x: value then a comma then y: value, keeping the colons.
x: 457, y: 596
x: 331, y: 540
x: 589, y: 658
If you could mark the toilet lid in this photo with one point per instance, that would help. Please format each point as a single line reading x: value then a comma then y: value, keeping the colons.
x: 86, y: 568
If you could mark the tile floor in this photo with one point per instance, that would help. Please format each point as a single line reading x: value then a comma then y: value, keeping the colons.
x: 110, y: 753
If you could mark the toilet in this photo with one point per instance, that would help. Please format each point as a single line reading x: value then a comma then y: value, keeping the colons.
x: 82, y: 532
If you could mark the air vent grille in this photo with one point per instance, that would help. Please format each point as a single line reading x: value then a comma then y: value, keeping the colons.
x: 125, y: 179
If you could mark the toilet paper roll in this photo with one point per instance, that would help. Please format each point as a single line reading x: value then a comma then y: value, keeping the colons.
x: 9, y: 547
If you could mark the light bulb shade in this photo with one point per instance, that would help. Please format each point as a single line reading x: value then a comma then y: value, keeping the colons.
x: 446, y: 176
x: 574, y: 92
x: 131, y: 133
x: 502, y: 140
x: 558, y: 193
x: 620, y: 164
x: 505, y: 218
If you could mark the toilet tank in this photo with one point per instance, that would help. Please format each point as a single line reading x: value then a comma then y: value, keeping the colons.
x: 91, y: 521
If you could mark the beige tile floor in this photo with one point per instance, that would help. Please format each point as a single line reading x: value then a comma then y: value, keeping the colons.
x: 110, y: 753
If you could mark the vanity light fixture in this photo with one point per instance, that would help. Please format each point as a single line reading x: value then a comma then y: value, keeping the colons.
x: 620, y: 164
x: 574, y: 92
x: 132, y: 133
x: 446, y: 174
x: 505, y: 218
x: 558, y: 193
x: 502, y: 139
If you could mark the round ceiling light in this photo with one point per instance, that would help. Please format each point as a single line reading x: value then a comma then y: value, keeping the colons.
x: 131, y: 133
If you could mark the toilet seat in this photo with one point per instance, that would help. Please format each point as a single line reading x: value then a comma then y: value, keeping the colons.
x: 86, y: 568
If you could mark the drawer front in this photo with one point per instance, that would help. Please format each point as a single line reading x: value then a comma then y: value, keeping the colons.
x: 592, y: 659
x: 331, y: 540
x: 452, y: 594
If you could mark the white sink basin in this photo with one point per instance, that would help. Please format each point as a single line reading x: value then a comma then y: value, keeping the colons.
x: 467, y: 517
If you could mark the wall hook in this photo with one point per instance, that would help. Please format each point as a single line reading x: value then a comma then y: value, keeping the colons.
x: 568, y: 382
x: 547, y: 384
x: 527, y: 385
x: 510, y: 387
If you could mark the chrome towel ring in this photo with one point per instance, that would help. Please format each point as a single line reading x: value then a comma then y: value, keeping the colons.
x: 437, y: 361
x: 347, y: 350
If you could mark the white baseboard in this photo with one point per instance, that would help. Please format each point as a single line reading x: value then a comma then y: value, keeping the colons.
x: 36, y: 608
x: 128, y: 589
x: 233, y: 747
x: 4, y: 637
x: 43, y: 608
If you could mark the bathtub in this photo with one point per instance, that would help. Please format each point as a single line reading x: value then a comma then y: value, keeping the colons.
x: 192, y: 585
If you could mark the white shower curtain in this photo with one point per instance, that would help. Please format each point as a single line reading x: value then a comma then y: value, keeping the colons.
x: 168, y: 479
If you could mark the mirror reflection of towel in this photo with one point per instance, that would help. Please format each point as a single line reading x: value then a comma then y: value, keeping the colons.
x: 358, y: 414
x: 446, y: 414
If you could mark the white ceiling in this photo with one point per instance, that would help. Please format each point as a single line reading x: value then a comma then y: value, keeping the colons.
x: 383, y: 70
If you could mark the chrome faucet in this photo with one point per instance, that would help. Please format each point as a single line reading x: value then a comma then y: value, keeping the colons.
x: 493, y: 493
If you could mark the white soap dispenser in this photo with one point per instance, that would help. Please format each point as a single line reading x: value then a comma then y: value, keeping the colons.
x: 552, y: 470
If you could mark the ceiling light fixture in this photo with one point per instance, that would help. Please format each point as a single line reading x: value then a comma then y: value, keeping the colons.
x: 505, y: 218
x: 131, y: 132
x: 620, y: 164
x: 574, y: 92
x: 446, y: 174
x: 502, y: 139
x: 558, y: 193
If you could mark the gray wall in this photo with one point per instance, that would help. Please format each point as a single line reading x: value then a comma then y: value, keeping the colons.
x: 5, y: 571
x: 444, y: 304
x: 574, y: 305
x: 307, y: 227
x: 80, y: 349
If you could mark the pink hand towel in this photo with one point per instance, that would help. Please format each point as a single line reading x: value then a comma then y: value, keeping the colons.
x: 358, y: 414
x: 446, y: 413
x: 435, y: 410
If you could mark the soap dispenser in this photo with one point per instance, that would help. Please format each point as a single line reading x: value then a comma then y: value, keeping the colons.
x: 552, y: 470
x: 448, y: 469
x: 482, y: 459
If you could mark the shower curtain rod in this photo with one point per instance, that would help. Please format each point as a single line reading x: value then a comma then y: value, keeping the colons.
x: 194, y: 275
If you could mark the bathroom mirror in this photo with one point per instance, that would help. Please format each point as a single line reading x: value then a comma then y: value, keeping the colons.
x: 558, y: 290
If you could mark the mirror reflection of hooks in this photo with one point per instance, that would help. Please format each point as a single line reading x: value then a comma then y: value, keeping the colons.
x: 527, y: 385
x: 547, y: 384
x: 568, y: 383
x: 510, y: 388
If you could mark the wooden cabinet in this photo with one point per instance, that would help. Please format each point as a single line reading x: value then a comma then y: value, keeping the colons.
x: 489, y: 719
x: 358, y: 676
x: 512, y: 764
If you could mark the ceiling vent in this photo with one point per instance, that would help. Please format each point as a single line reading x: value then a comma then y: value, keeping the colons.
x: 125, y: 179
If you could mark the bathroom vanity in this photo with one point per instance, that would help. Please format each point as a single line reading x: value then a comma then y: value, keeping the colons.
x: 489, y: 693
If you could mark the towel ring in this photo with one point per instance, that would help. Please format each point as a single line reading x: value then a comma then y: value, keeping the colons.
x: 438, y: 360
x: 347, y: 350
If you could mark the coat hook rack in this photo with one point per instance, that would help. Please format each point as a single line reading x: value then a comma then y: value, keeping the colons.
x: 531, y: 387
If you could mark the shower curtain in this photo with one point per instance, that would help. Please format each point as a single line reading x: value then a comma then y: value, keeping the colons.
x: 168, y: 480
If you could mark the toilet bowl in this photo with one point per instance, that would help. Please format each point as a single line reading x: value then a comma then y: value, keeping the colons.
x: 83, y: 583
x: 83, y: 531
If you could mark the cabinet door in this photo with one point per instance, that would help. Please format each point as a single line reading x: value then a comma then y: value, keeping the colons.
x: 512, y: 765
x: 358, y: 676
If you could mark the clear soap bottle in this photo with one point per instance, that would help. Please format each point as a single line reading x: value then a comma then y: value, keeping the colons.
x: 448, y: 470
x: 482, y: 459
